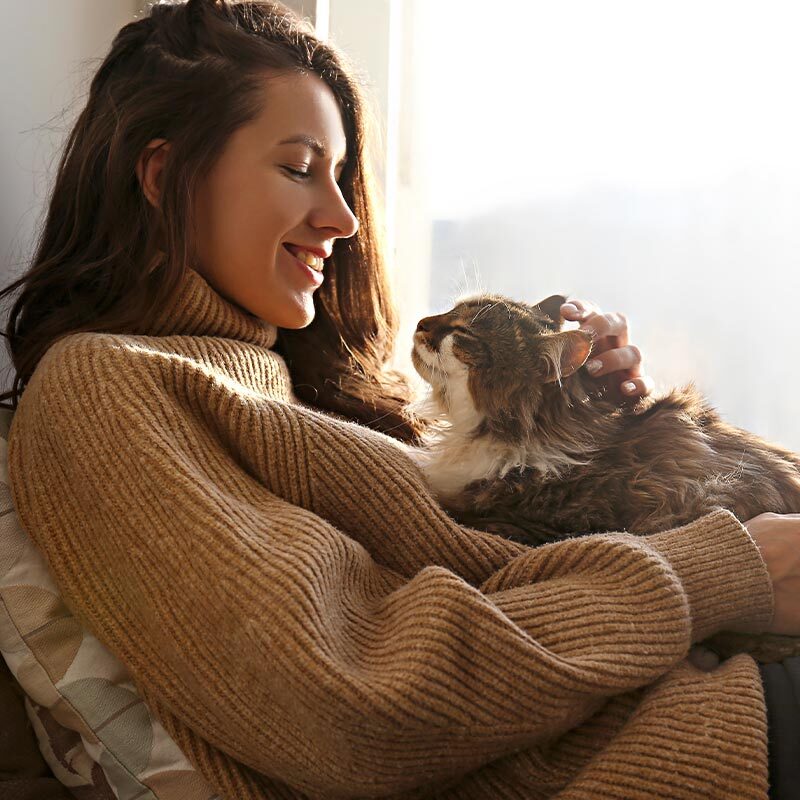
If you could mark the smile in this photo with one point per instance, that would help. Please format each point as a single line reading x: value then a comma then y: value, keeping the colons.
x: 309, y: 259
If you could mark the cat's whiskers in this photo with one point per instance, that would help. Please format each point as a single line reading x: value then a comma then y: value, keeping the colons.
x: 467, y: 287
x: 481, y: 310
x: 456, y: 452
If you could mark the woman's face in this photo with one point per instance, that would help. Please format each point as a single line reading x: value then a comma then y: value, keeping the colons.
x: 252, y: 204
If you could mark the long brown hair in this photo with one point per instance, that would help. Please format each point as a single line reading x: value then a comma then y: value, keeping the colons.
x: 190, y: 73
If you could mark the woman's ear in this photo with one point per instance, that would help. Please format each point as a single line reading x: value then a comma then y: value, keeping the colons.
x: 149, y: 168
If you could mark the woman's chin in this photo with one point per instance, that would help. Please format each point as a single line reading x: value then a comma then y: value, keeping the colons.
x: 293, y: 313
x: 297, y: 317
x: 296, y: 326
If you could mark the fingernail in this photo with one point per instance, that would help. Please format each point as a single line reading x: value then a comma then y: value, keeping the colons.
x: 594, y: 366
x: 570, y: 309
x: 628, y: 387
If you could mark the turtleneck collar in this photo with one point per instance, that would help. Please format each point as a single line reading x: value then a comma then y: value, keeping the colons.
x: 199, y: 310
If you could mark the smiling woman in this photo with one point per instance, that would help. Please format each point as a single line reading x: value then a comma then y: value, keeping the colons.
x: 208, y: 457
x: 267, y: 191
x: 275, y: 154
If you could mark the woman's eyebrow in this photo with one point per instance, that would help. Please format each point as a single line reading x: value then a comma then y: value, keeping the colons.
x: 314, y: 144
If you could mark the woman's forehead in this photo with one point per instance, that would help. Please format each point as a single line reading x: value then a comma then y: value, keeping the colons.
x: 301, y: 110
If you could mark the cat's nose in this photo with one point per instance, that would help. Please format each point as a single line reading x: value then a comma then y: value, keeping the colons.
x: 425, y: 325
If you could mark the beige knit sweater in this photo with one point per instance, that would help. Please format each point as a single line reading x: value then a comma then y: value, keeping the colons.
x: 306, y: 621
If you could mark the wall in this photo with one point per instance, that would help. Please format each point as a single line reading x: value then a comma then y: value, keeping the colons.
x: 48, y: 52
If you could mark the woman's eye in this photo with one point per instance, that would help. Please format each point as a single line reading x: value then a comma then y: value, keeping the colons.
x: 298, y: 173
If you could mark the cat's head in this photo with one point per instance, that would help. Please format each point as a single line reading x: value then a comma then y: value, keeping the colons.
x: 491, y: 361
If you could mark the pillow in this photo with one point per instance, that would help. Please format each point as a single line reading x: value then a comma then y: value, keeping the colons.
x: 92, y: 727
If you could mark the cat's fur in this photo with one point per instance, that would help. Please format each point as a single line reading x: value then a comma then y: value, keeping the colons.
x: 530, y: 447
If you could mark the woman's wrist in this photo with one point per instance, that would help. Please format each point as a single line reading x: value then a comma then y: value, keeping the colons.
x: 722, y: 572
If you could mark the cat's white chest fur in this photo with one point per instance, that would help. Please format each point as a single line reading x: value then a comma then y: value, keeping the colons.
x: 452, y: 459
x: 456, y: 457
x: 453, y: 464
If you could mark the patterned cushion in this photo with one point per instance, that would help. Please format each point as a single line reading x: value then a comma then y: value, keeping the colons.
x: 93, y: 728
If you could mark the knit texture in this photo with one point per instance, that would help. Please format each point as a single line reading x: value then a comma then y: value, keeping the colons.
x: 306, y: 621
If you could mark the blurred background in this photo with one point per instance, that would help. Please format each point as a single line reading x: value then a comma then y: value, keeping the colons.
x: 640, y: 154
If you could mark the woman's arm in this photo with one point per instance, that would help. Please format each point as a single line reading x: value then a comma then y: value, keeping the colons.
x: 285, y: 588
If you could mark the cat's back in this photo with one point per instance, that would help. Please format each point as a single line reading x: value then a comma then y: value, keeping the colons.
x: 684, y: 415
x: 677, y: 428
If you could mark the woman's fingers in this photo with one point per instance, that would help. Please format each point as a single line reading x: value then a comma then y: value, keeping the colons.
x: 628, y: 362
x: 627, y: 357
x: 612, y: 357
x: 703, y: 658
x: 608, y: 330
x: 638, y: 387
x: 575, y: 309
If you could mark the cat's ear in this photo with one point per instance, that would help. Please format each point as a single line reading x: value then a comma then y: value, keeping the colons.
x: 565, y: 353
x: 551, y: 307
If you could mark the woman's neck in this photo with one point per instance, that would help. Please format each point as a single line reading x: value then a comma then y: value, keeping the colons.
x: 197, y: 309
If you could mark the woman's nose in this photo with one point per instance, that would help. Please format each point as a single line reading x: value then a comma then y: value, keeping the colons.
x: 335, y: 213
x: 349, y: 224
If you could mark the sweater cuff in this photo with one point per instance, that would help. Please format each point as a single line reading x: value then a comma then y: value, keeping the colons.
x: 722, y: 572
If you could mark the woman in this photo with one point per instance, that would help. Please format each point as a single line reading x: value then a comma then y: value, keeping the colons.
x: 200, y: 349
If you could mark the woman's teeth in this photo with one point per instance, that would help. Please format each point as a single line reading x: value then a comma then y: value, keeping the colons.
x: 315, y: 262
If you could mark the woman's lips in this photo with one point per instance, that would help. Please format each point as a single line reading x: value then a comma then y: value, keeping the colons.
x: 315, y: 276
x: 300, y: 251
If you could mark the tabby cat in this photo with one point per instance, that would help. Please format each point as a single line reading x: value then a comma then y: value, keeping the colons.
x: 530, y: 447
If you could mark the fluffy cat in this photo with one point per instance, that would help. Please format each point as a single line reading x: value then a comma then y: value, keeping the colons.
x: 528, y: 446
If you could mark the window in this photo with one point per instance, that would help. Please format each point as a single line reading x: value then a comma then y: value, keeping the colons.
x: 644, y: 155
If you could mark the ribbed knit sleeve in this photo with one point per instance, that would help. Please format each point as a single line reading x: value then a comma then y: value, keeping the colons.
x: 290, y: 598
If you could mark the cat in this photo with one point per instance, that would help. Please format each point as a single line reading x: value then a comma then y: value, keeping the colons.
x: 526, y: 445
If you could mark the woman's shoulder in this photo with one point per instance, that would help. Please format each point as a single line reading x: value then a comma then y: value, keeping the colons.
x: 75, y: 355
x: 90, y: 347
x: 80, y: 373
x: 103, y: 363
x: 105, y: 345
x: 87, y: 357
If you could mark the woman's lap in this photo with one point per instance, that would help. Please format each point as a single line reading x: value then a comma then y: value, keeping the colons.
x: 782, y: 692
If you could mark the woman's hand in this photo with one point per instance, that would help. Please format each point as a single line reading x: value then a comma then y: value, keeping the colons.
x: 613, y: 358
x: 778, y: 539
